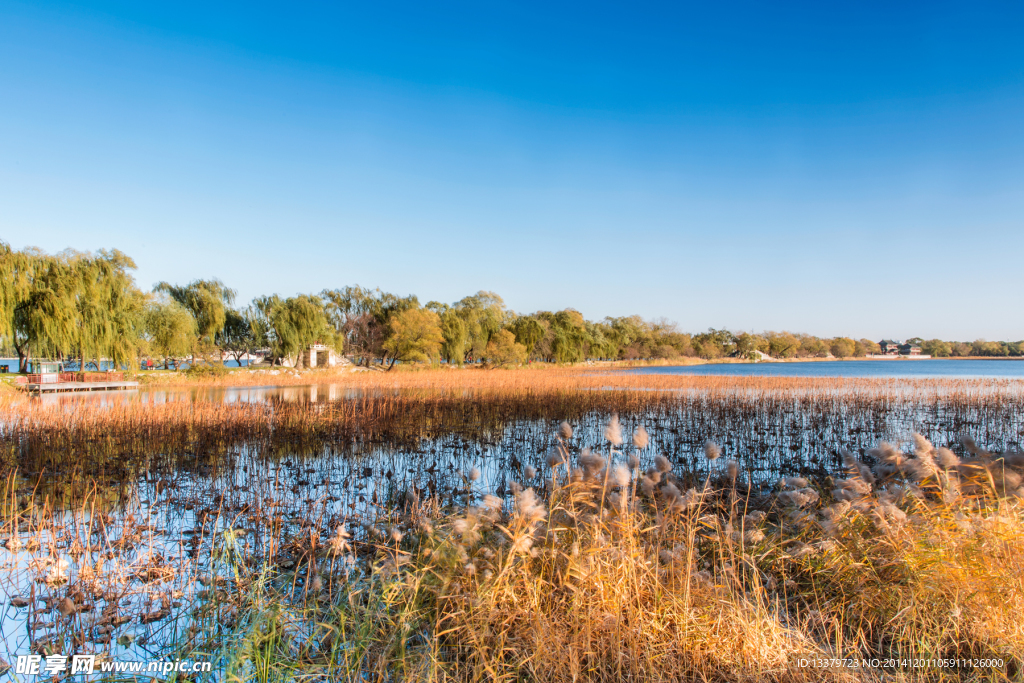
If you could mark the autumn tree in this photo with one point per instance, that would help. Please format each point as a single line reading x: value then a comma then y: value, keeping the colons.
x: 782, y: 344
x: 503, y: 349
x: 867, y: 347
x: 747, y: 345
x: 361, y: 317
x: 842, y: 347
x: 415, y: 335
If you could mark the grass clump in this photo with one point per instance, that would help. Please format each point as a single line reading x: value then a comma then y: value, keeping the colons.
x: 207, y: 371
x: 604, y: 572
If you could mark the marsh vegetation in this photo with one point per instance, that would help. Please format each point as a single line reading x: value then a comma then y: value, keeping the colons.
x: 443, y: 526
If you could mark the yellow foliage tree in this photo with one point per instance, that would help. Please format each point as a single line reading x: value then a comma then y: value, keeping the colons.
x: 415, y: 336
x: 504, y: 350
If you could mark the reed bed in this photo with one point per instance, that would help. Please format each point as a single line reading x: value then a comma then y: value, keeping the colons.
x: 410, y: 529
x: 787, y: 425
x: 607, y: 568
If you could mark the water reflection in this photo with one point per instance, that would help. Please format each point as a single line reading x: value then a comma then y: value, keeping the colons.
x: 292, y: 394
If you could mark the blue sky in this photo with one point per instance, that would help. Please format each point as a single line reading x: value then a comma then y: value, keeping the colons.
x: 833, y: 168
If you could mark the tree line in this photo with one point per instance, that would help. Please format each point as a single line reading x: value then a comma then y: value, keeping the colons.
x: 86, y: 307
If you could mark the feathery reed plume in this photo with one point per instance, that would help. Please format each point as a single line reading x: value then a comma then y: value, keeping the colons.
x: 712, y: 451
x: 613, y: 431
x: 972, y: 446
x: 491, y: 502
x: 946, y: 458
x: 620, y: 476
x: 798, y: 498
x: 647, y: 486
x: 339, y: 542
x: 640, y: 437
x: 565, y: 431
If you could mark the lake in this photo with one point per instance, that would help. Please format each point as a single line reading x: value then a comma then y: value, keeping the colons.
x: 919, y: 369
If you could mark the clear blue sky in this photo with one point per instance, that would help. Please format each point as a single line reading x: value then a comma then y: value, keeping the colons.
x: 833, y: 168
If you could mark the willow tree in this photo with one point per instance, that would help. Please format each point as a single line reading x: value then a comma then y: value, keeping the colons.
x: 46, y: 316
x: 171, y: 330
x: 528, y: 331
x: 484, y: 314
x: 207, y: 301
x: 239, y: 336
x: 454, y: 331
x: 15, y: 280
x: 111, y: 309
x: 295, y: 324
x: 72, y: 304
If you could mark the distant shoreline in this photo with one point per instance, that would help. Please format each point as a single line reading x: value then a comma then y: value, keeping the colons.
x: 744, y: 361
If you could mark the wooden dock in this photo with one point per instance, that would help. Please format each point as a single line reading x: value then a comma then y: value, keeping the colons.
x: 62, y: 387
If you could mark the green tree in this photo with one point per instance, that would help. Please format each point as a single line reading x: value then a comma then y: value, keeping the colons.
x: 45, y: 318
x: 73, y: 304
x: 528, y: 331
x: 171, y: 330
x: 456, y: 336
x: 570, y: 340
x: 298, y: 322
x: 484, y: 314
x: 111, y: 309
x: 936, y: 348
x: 415, y: 335
x: 16, y: 270
x: 239, y: 336
x: 207, y: 301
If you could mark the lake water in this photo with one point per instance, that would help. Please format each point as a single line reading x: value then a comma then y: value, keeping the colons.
x: 926, y: 368
x: 11, y: 365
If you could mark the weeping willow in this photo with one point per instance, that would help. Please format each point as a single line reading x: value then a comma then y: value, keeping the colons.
x: 207, y: 302
x: 71, y: 305
x: 296, y: 323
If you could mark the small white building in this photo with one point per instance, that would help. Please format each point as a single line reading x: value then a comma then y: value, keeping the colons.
x: 314, y: 356
x: 318, y: 356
